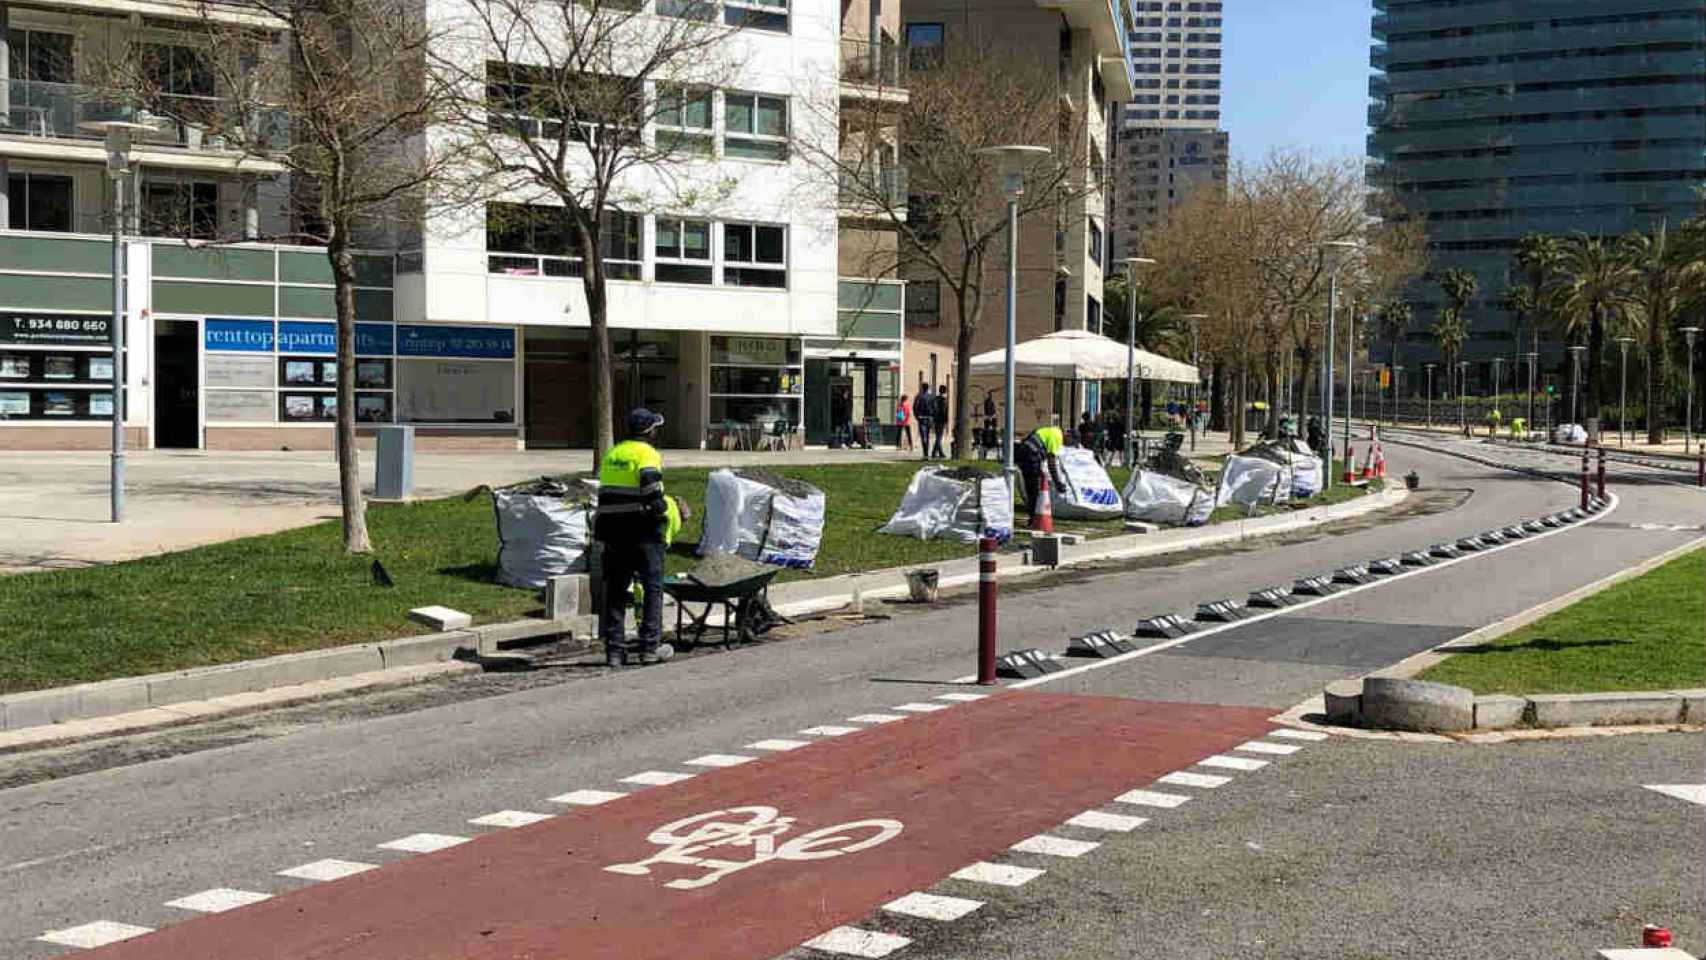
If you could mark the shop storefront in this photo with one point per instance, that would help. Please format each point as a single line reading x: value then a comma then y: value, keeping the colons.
x: 647, y: 370
x: 55, y: 368
x: 853, y: 382
x: 757, y: 385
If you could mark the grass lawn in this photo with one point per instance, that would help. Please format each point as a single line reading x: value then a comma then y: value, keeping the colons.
x: 295, y: 590
x: 1643, y: 634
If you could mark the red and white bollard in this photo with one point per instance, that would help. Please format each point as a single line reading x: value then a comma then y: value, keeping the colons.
x: 987, y: 581
x: 1700, y: 471
x: 1654, y: 936
x: 1584, y: 480
x: 1602, y: 473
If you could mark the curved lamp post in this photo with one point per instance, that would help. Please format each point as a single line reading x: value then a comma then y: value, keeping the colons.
x: 1131, y: 266
x: 1623, y: 390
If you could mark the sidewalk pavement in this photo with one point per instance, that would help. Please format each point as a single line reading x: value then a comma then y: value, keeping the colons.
x: 54, y: 504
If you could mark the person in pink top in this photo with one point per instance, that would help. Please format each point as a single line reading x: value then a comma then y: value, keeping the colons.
x: 903, y: 424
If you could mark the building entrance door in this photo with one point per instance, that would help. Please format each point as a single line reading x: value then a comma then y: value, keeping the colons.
x: 177, y: 385
x: 559, y: 410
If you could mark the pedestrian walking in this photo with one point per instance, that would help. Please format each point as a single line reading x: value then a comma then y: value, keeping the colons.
x: 924, y: 411
x: 903, y: 424
x: 634, y: 523
x: 942, y: 418
x: 1039, y: 448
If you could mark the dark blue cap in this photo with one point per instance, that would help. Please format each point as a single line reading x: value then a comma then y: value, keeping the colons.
x: 641, y: 420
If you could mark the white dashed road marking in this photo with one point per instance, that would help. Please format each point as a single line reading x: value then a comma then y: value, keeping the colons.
x: 326, y: 870
x: 1204, y: 780
x: 1232, y: 763
x: 217, y: 900
x: 778, y: 745
x: 930, y: 906
x: 1692, y: 792
x: 423, y: 843
x: 1149, y: 798
x: 829, y: 730
x: 875, y: 718
x: 587, y: 798
x: 921, y: 707
x: 962, y: 697
x: 92, y: 935
x: 853, y: 942
x: 657, y: 778
x: 1271, y: 749
x: 509, y: 818
x: 1055, y: 846
x: 997, y: 874
x: 1097, y: 820
x: 720, y: 760
x: 1292, y: 733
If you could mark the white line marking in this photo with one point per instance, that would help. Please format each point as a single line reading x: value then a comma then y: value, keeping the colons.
x: 1055, y: 846
x: 778, y: 744
x: 92, y: 935
x: 997, y: 874
x: 1645, y: 953
x: 829, y: 730
x: 1149, y: 798
x: 1692, y: 792
x: 963, y: 697
x: 1292, y: 733
x: 930, y: 906
x: 1345, y: 591
x: 875, y: 718
x: 587, y: 798
x: 324, y: 870
x: 1231, y: 763
x: 218, y: 900
x: 658, y: 778
x: 921, y: 707
x: 853, y: 942
x: 1097, y: 820
x: 1271, y: 749
x: 509, y: 818
x: 720, y: 760
x: 968, y: 678
x: 1205, y: 780
x: 423, y: 842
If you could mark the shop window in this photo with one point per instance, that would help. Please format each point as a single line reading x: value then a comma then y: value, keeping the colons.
x: 755, y: 126
x: 39, y: 202
x: 173, y: 208
x: 683, y: 249
x: 684, y: 120
x: 755, y: 255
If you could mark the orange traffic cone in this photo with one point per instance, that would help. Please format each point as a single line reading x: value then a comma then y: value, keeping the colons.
x: 1379, y: 461
x: 1368, y: 464
x: 1350, y: 473
x: 1042, y: 519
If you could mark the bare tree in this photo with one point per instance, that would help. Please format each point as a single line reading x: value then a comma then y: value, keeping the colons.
x: 340, y: 94
x: 602, y: 108
x: 950, y: 215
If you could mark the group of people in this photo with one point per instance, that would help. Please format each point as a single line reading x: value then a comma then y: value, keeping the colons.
x: 933, y: 415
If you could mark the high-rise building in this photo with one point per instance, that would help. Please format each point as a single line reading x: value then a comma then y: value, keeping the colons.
x: 1170, y: 140
x: 1492, y: 120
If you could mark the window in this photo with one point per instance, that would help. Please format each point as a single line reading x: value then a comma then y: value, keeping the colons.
x: 924, y: 45
x: 39, y: 202
x: 683, y: 250
x: 705, y: 10
x: 528, y: 101
x: 176, y: 70
x: 1092, y: 315
x: 535, y: 240
x: 40, y: 57
x: 173, y: 208
x: 619, y: 241
x: 755, y: 126
x: 924, y: 304
x: 1096, y: 242
x: 684, y: 120
x: 754, y: 255
x: 757, y: 14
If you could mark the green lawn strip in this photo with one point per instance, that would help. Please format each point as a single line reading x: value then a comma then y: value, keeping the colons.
x: 1642, y: 634
x: 295, y: 590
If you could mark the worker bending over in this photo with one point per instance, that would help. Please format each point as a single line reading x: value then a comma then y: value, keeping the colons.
x: 1041, y: 446
x: 634, y: 524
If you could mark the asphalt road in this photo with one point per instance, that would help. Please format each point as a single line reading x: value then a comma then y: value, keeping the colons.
x: 228, y: 805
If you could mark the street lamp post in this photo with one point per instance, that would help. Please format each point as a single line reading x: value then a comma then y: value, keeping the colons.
x: 1688, y: 434
x: 1012, y: 159
x: 1430, y: 395
x: 1575, y: 379
x: 1131, y: 265
x: 117, y: 134
x: 1531, y: 358
x: 1350, y: 378
x: 1462, y: 394
x: 1335, y: 253
x: 1196, y: 378
x: 1623, y: 390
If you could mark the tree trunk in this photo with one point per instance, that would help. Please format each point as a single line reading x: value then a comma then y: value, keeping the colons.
x: 349, y: 456
x: 1146, y: 400
x: 1217, y: 397
x: 1240, y: 400
x: 970, y: 308
x: 597, y: 309
x: 1305, y: 397
x: 1270, y: 383
x: 1652, y: 398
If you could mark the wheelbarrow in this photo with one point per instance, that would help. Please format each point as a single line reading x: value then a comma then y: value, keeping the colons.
x: 736, y: 599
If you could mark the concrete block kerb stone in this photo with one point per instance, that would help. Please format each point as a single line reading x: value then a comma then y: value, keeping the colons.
x: 1500, y: 711
x: 1605, y: 709
x: 1416, y: 705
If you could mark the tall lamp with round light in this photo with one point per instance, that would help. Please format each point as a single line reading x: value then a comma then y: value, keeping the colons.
x: 1011, y: 160
x: 1131, y: 266
x: 1688, y: 434
x: 1335, y: 254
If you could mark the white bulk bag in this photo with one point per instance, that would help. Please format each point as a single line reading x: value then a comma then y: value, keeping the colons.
x: 1248, y: 481
x: 758, y: 522
x: 1158, y: 498
x: 1088, y: 493
x: 539, y: 537
x: 1307, y: 470
x: 1570, y: 433
x: 937, y: 506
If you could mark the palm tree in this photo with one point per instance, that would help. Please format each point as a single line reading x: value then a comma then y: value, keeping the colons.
x: 1161, y: 328
x: 1451, y: 330
x: 1594, y: 282
x: 1669, y: 276
x: 1537, y: 256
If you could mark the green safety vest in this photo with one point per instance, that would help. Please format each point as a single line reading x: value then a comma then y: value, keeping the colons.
x: 1050, y: 439
x: 631, y: 502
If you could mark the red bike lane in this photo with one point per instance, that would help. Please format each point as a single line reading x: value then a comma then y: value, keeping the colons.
x: 940, y: 790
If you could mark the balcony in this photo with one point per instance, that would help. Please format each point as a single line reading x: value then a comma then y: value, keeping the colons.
x: 873, y: 71
x: 1377, y: 56
x: 873, y: 191
x: 39, y: 117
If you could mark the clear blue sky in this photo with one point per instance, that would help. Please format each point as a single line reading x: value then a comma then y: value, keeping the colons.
x: 1295, y: 75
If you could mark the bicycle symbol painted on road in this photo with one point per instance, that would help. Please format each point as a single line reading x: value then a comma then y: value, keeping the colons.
x: 752, y: 832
